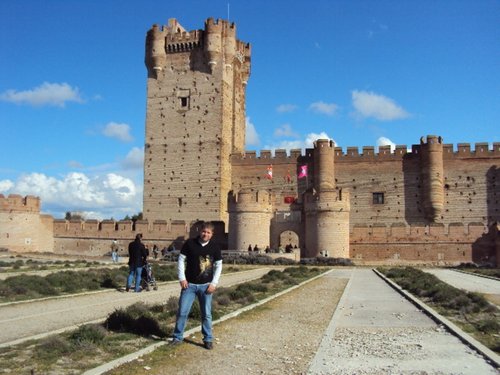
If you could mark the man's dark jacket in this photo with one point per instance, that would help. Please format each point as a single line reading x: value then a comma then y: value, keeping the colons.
x: 136, y: 253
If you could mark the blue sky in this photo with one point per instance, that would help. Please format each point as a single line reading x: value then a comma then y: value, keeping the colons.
x: 363, y: 73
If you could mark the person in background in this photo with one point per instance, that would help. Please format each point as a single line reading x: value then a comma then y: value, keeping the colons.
x: 114, y: 251
x: 137, y: 255
x: 199, y: 268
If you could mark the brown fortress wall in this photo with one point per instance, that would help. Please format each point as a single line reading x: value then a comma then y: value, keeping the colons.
x: 22, y: 228
x: 399, y: 227
x: 92, y: 237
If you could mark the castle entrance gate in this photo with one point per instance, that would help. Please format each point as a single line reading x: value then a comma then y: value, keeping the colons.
x: 289, y: 237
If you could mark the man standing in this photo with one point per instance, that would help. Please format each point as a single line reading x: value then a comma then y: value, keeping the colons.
x: 136, y: 257
x: 199, y: 268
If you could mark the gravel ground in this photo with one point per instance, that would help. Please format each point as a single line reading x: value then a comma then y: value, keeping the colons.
x: 280, y: 337
x: 376, y: 331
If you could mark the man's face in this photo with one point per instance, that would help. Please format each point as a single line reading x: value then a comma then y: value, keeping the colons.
x: 206, y: 234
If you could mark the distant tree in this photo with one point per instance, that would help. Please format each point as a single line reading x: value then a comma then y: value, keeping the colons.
x: 137, y: 217
x: 134, y: 218
x: 73, y: 216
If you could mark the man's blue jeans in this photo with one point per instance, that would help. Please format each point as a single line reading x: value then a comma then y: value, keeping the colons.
x: 135, y: 273
x: 186, y: 302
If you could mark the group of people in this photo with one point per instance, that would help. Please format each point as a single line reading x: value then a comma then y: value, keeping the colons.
x: 288, y: 249
x: 198, y: 269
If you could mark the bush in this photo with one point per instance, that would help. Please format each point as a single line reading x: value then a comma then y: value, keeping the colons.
x: 28, y: 285
x: 172, y: 305
x: 52, y: 348
x: 284, y: 261
x: 89, y: 334
x: 223, y: 299
x: 164, y: 272
x: 490, y: 325
x: 137, y: 318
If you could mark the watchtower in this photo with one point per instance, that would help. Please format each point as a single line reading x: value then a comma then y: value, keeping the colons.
x: 195, y: 119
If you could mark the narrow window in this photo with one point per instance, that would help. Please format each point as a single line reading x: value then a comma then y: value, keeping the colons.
x: 184, y: 102
x: 378, y: 198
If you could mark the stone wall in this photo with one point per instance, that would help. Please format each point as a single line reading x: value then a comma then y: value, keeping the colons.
x: 22, y: 228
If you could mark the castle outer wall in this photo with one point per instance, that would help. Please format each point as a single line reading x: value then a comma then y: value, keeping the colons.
x: 22, y: 228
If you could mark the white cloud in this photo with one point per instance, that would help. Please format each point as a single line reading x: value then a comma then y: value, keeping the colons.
x: 282, y: 108
x: 6, y: 185
x: 103, y: 196
x: 285, y: 130
x: 251, y: 136
x: 308, y: 142
x: 324, y: 108
x: 134, y: 159
x: 369, y: 104
x: 118, y: 131
x: 383, y: 141
x: 54, y: 94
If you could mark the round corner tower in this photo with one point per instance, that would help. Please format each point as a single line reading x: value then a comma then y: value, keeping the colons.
x: 195, y: 119
x: 250, y: 215
x: 326, y: 208
x: 432, y: 172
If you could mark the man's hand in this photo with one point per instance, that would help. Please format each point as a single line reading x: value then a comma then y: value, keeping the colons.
x: 211, y: 288
x: 184, y: 284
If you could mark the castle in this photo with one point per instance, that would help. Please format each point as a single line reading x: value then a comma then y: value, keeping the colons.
x: 432, y: 204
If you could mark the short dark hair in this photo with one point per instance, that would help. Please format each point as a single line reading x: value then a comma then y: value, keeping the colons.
x: 208, y: 225
x: 138, y: 236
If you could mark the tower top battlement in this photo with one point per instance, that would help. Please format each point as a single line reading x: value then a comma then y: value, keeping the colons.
x: 18, y: 203
x: 352, y: 153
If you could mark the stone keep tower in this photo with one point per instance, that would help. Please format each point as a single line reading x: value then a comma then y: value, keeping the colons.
x: 195, y: 119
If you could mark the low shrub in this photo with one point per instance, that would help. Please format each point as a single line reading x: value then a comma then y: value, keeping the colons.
x: 52, y: 348
x: 30, y: 285
x: 88, y: 334
x: 172, y: 305
x: 137, y: 318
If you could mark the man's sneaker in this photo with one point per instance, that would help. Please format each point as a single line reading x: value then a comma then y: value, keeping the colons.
x: 175, y: 342
x: 127, y: 289
x: 208, y: 345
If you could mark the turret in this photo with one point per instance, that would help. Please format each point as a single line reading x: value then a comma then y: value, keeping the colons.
x: 156, y: 55
x: 324, y: 175
x: 213, y: 41
x: 326, y: 208
x: 432, y: 172
x: 229, y: 43
x: 250, y: 216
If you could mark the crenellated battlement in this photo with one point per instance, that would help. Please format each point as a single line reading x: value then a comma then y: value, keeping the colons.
x: 250, y: 201
x: 18, y: 203
x: 462, y: 150
x: 219, y: 25
x: 123, y: 229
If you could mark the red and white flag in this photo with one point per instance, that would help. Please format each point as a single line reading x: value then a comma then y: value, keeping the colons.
x: 303, y: 171
x: 269, y: 173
